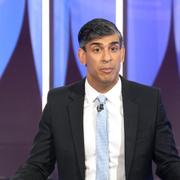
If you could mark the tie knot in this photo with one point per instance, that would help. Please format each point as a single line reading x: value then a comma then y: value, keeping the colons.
x: 101, y: 99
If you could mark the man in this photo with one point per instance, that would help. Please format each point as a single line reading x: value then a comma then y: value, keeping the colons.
x: 136, y: 132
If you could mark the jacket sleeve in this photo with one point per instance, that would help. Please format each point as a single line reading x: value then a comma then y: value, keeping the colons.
x: 41, y: 160
x: 165, y: 152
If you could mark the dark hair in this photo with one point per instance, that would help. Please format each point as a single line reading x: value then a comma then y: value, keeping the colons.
x: 97, y: 28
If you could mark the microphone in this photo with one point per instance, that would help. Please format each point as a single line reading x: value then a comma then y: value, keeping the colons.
x: 100, y: 107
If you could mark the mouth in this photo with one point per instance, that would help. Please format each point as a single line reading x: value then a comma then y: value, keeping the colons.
x: 106, y: 70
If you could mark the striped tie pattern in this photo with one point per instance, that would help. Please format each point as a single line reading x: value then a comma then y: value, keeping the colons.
x: 102, y: 157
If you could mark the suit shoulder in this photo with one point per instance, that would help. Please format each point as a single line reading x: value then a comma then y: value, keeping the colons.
x: 140, y: 86
x: 64, y: 91
x: 141, y: 90
x: 58, y: 91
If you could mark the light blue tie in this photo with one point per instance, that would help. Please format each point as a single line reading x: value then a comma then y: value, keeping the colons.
x: 102, y: 155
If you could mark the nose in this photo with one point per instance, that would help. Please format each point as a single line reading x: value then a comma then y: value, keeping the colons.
x: 106, y: 56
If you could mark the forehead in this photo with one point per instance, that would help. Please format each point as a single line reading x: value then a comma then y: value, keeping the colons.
x: 104, y: 40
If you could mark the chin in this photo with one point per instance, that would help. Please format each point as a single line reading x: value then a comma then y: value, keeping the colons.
x: 108, y: 81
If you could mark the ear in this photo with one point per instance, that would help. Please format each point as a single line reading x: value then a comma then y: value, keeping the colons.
x: 82, y: 56
x: 122, y: 55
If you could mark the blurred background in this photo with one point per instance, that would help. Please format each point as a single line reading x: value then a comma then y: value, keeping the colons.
x: 152, y: 40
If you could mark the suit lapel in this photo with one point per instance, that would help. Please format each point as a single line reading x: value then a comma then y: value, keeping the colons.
x: 75, y: 111
x: 130, y: 124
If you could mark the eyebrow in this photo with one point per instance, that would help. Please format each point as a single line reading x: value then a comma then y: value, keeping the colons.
x: 99, y: 44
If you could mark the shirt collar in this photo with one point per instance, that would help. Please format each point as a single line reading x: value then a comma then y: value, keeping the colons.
x: 112, y: 95
x: 90, y: 93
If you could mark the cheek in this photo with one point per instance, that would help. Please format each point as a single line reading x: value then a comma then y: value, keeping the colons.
x: 117, y: 65
x: 92, y: 63
x: 91, y: 67
x: 118, y: 60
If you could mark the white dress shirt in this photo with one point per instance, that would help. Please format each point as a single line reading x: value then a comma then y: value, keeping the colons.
x: 115, y: 132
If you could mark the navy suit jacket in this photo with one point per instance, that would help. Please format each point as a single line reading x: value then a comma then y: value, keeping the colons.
x: 148, y: 136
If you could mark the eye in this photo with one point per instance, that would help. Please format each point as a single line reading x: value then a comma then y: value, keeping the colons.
x: 114, y: 48
x: 96, y: 50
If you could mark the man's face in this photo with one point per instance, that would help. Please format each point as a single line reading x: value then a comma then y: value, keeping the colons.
x: 102, y: 58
